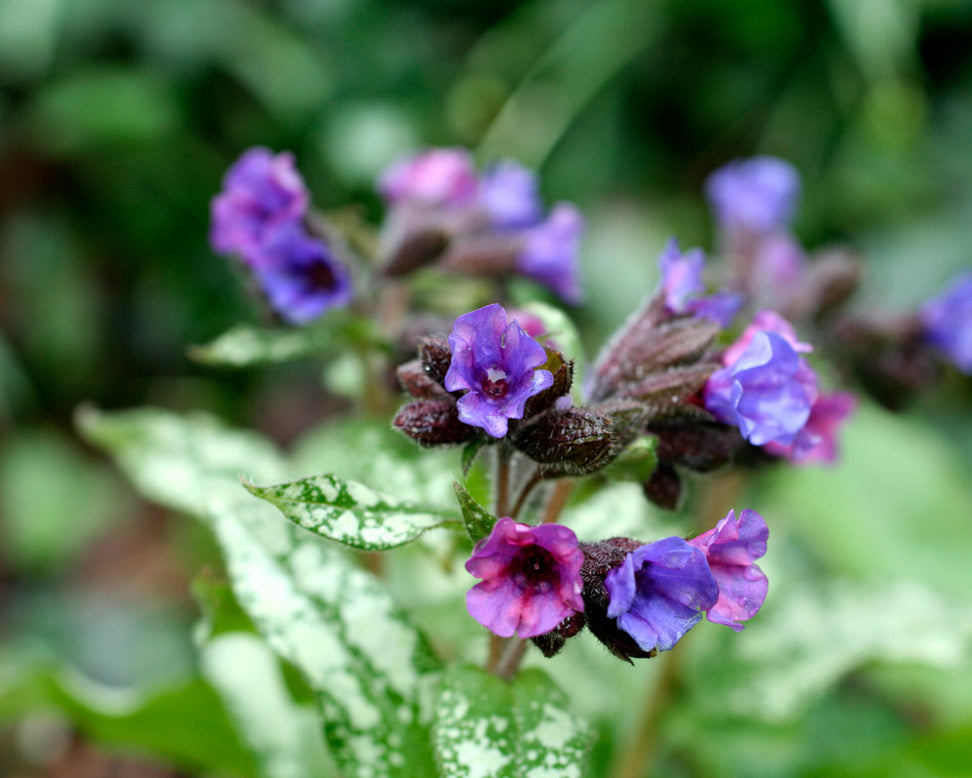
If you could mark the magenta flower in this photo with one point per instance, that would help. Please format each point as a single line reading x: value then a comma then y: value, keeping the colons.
x: 436, y: 177
x: 510, y: 195
x: 496, y: 362
x: 531, y: 578
x: 817, y: 441
x: 758, y: 195
x: 300, y: 276
x: 767, y: 392
x: 550, y: 252
x: 730, y: 549
x: 947, y: 319
x: 660, y: 591
x: 260, y: 191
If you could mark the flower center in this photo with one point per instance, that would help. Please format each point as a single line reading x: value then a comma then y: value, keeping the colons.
x: 495, y: 384
x: 533, y: 569
x: 321, y: 277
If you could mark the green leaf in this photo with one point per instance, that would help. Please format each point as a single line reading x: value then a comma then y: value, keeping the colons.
x: 284, y: 737
x: 339, y: 627
x: 469, y: 452
x: 487, y: 726
x: 479, y: 522
x: 350, y: 512
x: 246, y: 346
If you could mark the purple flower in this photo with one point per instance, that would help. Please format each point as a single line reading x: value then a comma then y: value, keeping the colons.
x: 300, y: 276
x: 947, y: 319
x: 681, y: 284
x: 495, y: 361
x: 757, y: 194
x: 817, y: 441
x: 767, y: 392
x: 550, y: 252
x: 436, y: 177
x: 660, y: 591
x: 531, y: 578
x: 509, y: 193
x: 730, y: 549
x: 260, y: 191
x: 681, y: 275
x: 779, y: 264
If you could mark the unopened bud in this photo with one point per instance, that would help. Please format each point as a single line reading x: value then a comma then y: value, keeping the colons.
x: 574, y: 441
x: 436, y: 358
x: 416, y: 382
x: 433, y: 423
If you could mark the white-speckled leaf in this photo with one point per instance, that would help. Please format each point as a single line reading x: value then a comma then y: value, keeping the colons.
x: 352, y: 513
x: 182, y: 462
x: 337, y: 624
x: 371, y: 669
x: 284, y: 737
x: 488, y: 728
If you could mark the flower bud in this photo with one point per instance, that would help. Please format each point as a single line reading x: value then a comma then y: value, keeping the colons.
x: 416, y: 250
x: 433, y: 423
x: 436, y: 358
x: 416, y: 381
x: 551, y: 642
x: 574, y: 441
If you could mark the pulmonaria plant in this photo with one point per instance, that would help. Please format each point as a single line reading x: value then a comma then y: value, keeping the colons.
x: 714, y: 372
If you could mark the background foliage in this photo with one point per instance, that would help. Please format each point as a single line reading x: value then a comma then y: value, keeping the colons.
x: 117, y: 120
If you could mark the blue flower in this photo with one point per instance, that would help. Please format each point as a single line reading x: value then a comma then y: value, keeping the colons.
x: 496, y: 363
x: 660, y: 591
x: 260, y: 191
x: 300, y: 276
x: 767, y: 392
x: 758, y: 194
x: 947, y: 319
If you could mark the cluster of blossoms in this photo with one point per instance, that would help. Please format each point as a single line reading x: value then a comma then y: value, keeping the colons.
x: 636, y: 598
x: 442, y: 211
x: 261, y: 217
x: 680, y: 379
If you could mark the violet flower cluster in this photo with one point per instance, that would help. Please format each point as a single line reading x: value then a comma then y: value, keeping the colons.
x: 259, y: 216
x: 442, y: 212
x: 637, y: 599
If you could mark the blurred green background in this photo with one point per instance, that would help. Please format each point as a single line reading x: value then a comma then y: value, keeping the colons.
x: 117, y: 121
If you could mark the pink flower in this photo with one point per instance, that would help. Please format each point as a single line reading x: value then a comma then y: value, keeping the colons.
x: 817, y: 441
x: 531, y: 578
x: 730, y: 548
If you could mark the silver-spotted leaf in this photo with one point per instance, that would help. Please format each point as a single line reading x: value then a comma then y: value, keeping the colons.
x: 352, y: 513
x: 486, y: 727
